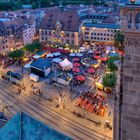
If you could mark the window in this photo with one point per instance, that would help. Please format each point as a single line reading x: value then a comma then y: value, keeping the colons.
x: 86, y: 33
x: 67, y: 41
x: 107, y: 34
x: 98, y: 34
x: 104, y: 34
x: 97, y: 38
x: 94, y: 33
x: 94, y: 37
x: 91, y: 37
x: 67, y: 34
x: 72, y: 41
x: 101, y: 34
x: 72, y: 35
x: 42, y: 38
x: 104, y: 38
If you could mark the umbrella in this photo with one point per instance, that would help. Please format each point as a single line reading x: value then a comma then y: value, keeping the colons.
x: 97, y: 57
x: 82, y: 51
x: 82, y: 48
x: 76, y: 59
x: 112, y: 54
x: 97, y: 52
x: 80, y: 78
x: 79, y: 54
x: 90, y: 51
x: 76, y: 64
x: 91, y: 70
x: 76, y: 69
x: 121, y: 53
x: 103, y: 59
x: 72, y: 54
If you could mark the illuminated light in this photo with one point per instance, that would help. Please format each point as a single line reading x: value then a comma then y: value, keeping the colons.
x: 83, y: 28
x: 25, y: 59
x: 62, y: 34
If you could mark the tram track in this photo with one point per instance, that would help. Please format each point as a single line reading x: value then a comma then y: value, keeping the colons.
x: 77, y: 131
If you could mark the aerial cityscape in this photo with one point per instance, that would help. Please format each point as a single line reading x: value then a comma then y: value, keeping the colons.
x: 69, y: 70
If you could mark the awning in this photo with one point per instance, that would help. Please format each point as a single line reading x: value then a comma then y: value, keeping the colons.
x: 79, y: 54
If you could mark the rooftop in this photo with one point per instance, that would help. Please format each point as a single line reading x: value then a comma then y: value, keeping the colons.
x: 23, y: 126
x: 41, y: 63
x: 69, y: 20
x: 112, y: 26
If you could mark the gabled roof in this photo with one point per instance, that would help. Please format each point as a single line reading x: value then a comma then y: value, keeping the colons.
x: 24, y: 127
x: 68, y: 18
x: 41, y: 63
x: 110, y: 19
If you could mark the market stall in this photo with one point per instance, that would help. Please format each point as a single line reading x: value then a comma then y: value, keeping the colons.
x: 66, y: 64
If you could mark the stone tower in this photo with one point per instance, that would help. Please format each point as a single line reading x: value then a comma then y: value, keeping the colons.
x: 130, y: 107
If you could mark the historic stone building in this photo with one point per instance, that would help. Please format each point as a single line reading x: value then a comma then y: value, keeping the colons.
x: 129, y: 128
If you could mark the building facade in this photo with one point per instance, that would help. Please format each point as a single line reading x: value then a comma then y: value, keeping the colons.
x: 61, y: 26
x: 99, y: 32
x: 129, y: 122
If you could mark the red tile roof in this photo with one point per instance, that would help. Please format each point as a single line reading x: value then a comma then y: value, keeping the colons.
x: 68, y: 18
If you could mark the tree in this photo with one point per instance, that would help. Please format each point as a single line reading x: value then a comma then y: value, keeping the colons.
x: 16, y: 54
x: 119, y: 39
x: 109, y: 80
x: 110, y: 63
x: 35, y: 46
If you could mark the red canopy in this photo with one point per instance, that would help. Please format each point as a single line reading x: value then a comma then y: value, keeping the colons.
x: 76, y: 64
x: 76, y: 69
x: 90, y: 70
x: 103, y: 59
x: 80, y: 78
x: 97, y: 57
x: 121, y: 53
x: 76, y: 59
x: 97, y: 52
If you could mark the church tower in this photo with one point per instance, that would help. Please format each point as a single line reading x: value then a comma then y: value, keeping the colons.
x: 130, y: 108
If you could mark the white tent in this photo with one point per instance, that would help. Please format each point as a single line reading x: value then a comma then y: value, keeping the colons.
x: 36, y: 56
x: 79, y: 54
x: 57, y: 54
x: 90, y: 51
x: 27, y: 66
x: 49, y: 55
x: 57, y: 60
x: 72, y: 54
x: 66, y: 64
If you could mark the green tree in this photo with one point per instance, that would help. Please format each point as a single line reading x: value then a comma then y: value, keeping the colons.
x: 119, y: 39
x: 35, y: 46
x: 16, y: 54
x: 109, y: 80
x: 110, y: 63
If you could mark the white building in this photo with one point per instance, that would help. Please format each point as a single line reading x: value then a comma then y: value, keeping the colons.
x: 99, y: 32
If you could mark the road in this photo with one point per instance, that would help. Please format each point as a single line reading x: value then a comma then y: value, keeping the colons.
x: 45, y: 111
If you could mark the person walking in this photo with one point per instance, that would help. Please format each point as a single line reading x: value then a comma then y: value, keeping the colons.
x: 40, y: 95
